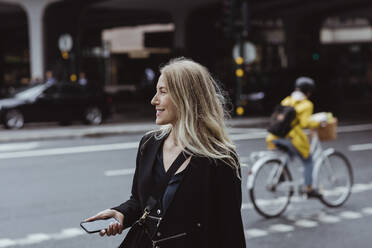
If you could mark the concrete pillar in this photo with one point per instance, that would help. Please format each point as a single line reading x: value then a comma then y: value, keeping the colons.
x: 35, y: 11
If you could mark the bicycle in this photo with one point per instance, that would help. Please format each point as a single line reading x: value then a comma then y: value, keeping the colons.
x: 271, y: 185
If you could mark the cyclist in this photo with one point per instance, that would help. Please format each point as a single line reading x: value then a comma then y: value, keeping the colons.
x: 296, y: 141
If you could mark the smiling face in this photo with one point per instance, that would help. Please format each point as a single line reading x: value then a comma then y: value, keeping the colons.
x: 166, y: 111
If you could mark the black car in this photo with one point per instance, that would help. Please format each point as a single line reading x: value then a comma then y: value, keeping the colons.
x: 62, y: 102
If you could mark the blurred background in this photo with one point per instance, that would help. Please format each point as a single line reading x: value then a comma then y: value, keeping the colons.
x: 74, y: 62
x: 118, y: 46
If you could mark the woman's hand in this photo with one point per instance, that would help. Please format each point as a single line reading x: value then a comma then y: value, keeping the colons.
x: 114, y: 228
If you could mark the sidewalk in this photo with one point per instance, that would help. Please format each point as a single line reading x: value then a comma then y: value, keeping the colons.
x: 45, y: 131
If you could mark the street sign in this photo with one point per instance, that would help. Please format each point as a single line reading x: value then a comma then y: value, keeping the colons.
x: 249, y: 52
x: 65, y: 43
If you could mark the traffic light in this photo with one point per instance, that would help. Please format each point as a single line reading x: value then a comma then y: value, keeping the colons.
x: 316, y: 56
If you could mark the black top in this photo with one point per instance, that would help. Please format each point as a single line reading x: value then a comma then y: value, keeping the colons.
x: 204, y: 213
x: 159, y: 173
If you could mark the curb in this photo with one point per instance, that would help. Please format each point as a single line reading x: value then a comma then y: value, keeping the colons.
x: 51, y: 132
x: 74, y: 132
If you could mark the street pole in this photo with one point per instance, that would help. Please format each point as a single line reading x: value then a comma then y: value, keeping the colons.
x: 239, y: 73
x: 242, y: 37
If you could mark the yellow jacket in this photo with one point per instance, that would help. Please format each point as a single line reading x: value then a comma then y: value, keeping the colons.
x: 304, y: 109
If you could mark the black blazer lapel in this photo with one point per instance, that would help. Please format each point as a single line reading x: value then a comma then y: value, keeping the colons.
x: 148, y: 161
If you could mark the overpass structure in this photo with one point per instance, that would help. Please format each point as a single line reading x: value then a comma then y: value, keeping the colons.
x: 46, y: 20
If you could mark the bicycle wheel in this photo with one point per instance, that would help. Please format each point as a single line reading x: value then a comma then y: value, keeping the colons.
x: 335, y: 179
x: 270, y: 198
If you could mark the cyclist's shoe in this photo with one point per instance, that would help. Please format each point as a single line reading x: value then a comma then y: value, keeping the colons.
x: 314, y: 194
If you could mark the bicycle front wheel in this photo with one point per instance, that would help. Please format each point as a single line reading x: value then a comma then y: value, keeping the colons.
x: 335, y: 179
x: 271, y: 192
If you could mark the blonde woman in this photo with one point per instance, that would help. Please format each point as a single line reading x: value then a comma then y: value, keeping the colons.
x: 200, y: 204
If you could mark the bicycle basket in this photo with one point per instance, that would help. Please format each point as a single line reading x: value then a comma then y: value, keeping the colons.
x: 328, y: 132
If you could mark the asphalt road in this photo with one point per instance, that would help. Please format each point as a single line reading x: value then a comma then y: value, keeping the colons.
x: 48, y: 187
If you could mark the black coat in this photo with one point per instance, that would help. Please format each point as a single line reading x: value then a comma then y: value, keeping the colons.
x: 206, y: 206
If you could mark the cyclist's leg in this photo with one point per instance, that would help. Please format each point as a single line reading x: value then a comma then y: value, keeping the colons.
x: 307, y: 162
x: 286, y: 146
x: 308, y: 170
x: 308, y: 177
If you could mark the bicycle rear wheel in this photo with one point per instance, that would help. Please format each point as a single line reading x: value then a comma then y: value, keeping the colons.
x: 335, y: 179
x: 270, y: 198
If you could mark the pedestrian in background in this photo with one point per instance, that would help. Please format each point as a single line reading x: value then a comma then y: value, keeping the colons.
x: 201, y: 204
x: 147, y: 84
x: 49, y: 78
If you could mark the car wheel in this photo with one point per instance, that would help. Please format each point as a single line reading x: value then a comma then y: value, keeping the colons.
x: 14, y: 119
x: 93, y: 116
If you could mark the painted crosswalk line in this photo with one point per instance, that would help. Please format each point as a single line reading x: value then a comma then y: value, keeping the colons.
x: 350, y: 215
x: 306, y: 223
x: 367, y: 211
x: 37, y: 238
x: 361, y: 147
x: 325, y: 218
x: 281, y: 228
x: 18, y: 146
x: 123, y: 172
x: 255, y: 233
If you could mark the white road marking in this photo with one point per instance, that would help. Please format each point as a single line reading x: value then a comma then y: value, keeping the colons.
x: 248, y: 136
x: 281, y: 228
x: 7, y: 242
x: 360, y: 147
x: 233, y: 130
x: 262, y: 133
x: 123, y: 172
x: 298, y: 199
x: 33, y: 239
x: 306, y: 223
x: 69, y: 150
x: 252, y: 134
x: 367, y: 211
x: 254, y: 233
x: 358, y: 187
x: 247, y: 206
x: 354, y: 128
x: 37, y: 238
x: 350, y: 215
x: 244, y: 159
x: 18, y: 146
x: 250, y: 233
x: 340, y: 129
x: 325, y: 218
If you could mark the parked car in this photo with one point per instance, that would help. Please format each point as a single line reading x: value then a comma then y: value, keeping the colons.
x: 61, y: 102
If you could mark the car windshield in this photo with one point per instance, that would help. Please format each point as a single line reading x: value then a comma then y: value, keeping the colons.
x: 30, y: 92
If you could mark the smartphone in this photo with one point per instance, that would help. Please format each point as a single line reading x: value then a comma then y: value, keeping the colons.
x: 97, y: 225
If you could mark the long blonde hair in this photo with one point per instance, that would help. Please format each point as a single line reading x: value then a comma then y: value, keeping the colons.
x: 201, y: 114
